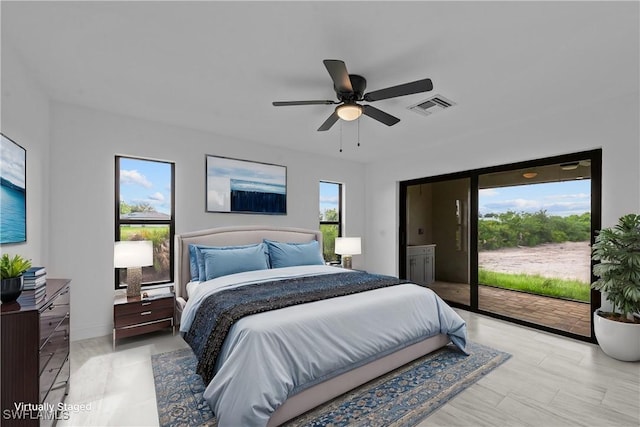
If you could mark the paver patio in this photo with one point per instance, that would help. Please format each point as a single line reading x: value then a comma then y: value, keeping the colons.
x: 570, y: 316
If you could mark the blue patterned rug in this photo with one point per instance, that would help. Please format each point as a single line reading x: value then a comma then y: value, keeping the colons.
x: 403, y: 397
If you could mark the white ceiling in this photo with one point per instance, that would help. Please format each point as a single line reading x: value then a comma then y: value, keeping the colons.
x: 217, y: 66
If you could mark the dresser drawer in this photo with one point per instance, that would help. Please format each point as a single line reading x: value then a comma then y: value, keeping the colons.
x: 56, y: 395
x: 49, y: 375
x: 58, y: 341
x: 52, y: 315
x: 138, y: 312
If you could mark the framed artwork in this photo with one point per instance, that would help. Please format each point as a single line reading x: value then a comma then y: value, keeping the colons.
x: 13, y: 196
x: 242, y: 186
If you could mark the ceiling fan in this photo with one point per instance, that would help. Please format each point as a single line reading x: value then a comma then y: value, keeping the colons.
x: 350, y: 90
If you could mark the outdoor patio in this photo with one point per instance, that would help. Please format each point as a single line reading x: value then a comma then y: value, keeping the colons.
x: 556, y: 313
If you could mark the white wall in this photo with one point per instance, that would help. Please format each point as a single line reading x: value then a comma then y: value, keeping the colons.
x: 25, y: 119
x: 84, y: 143
x: 615, y: 129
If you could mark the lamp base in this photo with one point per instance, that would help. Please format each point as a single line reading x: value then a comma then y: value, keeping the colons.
x: 346, y: 261
x: 134, y: 278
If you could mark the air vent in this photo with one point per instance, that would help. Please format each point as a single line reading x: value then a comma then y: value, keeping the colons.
x: 432, y: 105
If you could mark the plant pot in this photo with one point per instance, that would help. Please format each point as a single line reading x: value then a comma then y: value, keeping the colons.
x: 617, y: 339
x: 11, y: 289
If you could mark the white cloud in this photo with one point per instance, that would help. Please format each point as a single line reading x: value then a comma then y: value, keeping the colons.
x: 157, y: 197
x: 569, y: 196
x: 134, y: 177
x: 563, y: 207
x: 329, y: 199
x: 488, y: 192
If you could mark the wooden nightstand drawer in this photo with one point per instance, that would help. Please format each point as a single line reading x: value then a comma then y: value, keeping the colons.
x: 140, y: 306
x: 136, y: 316
x: 148, y: 314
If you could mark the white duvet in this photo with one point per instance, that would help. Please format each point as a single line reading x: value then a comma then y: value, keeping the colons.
x: 270, y: 356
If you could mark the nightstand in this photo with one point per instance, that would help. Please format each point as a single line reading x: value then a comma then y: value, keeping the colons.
x: 137, y: 315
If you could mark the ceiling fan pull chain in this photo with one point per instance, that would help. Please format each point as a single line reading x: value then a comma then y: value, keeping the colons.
x: 341, y: 137
x: 358, y: 132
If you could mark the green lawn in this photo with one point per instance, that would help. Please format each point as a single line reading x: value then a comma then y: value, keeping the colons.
x: 559, y: 288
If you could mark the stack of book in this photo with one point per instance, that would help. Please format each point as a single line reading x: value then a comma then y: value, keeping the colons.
x: 34, y: 285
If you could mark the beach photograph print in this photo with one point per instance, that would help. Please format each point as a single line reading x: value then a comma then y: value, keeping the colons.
x: 243, y: 186
x: 13, y: 197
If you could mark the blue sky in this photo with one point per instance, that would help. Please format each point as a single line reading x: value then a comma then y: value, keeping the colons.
x: 143, y: 181
x: 557, y: 198
x: 328, y: 196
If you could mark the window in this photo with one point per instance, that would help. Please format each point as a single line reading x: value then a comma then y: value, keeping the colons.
x: 330, y: 218
x: 145, y: 211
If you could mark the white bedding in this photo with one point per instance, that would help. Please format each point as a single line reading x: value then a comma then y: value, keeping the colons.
x: 191, y: 287
x: 270, y: 356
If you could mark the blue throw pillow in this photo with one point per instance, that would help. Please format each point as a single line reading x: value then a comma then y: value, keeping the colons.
x: 222, y: 262
x: 293, y: 254
x: 199, y: 257
x: 193, y: 264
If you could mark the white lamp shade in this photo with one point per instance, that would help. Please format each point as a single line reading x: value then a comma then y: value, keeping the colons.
x: 348, y: 246
x: 127, y: 254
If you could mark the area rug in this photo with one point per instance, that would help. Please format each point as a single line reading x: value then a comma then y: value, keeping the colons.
x: 403, y: 397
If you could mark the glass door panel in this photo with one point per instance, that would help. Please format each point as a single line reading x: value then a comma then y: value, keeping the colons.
x: 534, y: 231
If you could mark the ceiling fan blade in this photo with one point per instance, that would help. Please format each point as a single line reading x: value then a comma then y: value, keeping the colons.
x: 400, y: 90
x: 286, y: 103
x: 379, y: 115
x: 329, y: 122
x: 338, y: 72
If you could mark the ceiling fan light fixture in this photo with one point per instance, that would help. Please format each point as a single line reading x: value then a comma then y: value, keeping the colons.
x: 349, y: 112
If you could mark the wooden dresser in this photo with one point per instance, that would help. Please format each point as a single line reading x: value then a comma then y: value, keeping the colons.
x: 35, y: 356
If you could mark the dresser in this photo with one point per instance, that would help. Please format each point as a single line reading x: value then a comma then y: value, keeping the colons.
x: 421, y: 264
x: 35, y: 356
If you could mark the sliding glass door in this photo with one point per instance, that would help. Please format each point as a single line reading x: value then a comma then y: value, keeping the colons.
x: 534, y: 244
x: 511, y: 241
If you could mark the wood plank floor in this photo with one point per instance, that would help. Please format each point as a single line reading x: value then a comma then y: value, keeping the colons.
x: 549, y: 381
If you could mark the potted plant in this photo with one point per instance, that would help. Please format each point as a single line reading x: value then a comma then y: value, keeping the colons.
x: 11, y: 269
x: 618, y: 250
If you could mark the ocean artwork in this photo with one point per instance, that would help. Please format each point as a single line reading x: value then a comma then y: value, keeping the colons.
x: 243, y: 186
x: 13, y: 192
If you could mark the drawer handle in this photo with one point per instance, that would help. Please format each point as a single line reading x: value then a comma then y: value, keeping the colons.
x: 145, y: 313
x: 146, y: 303
x: 52, y: 306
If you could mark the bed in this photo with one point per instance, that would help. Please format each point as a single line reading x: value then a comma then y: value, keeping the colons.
x: 275, y: 365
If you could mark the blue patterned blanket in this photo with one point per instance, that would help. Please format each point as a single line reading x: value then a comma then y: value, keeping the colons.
x: 219, y: 312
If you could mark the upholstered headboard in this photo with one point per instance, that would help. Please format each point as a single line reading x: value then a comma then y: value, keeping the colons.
x: 231, y: 236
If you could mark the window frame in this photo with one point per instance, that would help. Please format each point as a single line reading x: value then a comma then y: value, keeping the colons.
x: 340, y: 221
x: 171, y: 222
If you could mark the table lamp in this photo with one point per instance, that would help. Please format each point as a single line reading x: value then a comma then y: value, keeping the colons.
x: 347, y: 246
x: 133, y: 255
